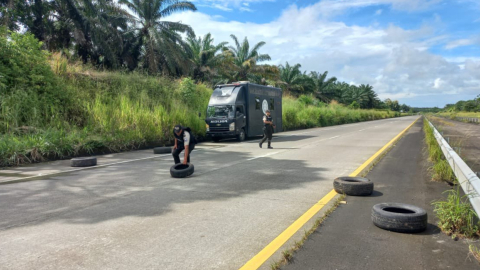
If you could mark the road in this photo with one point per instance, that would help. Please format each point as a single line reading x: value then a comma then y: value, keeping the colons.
x: 348, y: 239
x: 133, y: 215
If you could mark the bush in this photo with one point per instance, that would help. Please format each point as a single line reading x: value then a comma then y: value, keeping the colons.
x: 31, y: 94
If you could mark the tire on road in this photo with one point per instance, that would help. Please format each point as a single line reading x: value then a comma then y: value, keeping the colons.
x: 353, y: 186
x: 399, y: 217
x: 162, y: 150
x: 181, y: 170
x: 83, y: 162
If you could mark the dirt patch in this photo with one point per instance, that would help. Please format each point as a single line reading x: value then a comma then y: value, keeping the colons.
x: 463, y: 137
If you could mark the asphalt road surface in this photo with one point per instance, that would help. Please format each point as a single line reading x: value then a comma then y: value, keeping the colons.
x: 348, y: 239
x: 133, y: 215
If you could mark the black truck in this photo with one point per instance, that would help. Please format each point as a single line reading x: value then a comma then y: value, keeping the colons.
x: 236, y: 110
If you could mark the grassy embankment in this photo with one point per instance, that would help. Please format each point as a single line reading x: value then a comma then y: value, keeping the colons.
x: 52, y: 109
x: 453, y: 115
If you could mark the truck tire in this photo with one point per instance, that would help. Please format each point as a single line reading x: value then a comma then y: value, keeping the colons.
x: 353, y: 186
x: 399, y: 217
x: 83, y: 162
x: 162, y: 150
x: 181, y: 170
x: 241, y: 137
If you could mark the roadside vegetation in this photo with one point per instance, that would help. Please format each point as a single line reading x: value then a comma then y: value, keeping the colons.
x: 441, y: 170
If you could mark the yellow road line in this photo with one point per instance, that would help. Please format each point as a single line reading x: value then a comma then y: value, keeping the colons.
x: 271, y: 248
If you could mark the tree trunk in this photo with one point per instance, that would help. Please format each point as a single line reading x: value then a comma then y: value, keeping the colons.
x: 38, y: 28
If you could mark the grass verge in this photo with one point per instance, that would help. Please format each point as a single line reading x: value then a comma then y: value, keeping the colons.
x: 287, y: 255
x: 441, y: 170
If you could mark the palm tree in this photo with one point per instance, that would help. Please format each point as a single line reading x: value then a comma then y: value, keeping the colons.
x: 244, y: 61
x: 162, y: 47
x: 371, y: 100
x: 322, y: 85
x: 291, y: 78
x: 205, y: 56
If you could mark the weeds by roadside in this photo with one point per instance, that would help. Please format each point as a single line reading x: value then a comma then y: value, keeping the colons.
x: 456, y: 216
x: 441, y: 169
x: 475, y: 252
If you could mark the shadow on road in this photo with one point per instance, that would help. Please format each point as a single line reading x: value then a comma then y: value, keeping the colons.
x: 145, y: 189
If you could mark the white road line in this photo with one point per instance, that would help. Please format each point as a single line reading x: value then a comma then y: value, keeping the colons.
x: 81, y: 169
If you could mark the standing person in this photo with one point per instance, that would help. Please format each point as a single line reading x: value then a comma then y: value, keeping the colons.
x: 184, y: 140
x: 267, y: 129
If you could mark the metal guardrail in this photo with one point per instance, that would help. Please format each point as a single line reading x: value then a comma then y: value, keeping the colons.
x: 469, y: 181
x: 468, y: 119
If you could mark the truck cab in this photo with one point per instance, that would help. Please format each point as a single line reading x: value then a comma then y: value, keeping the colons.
x: 236, y: 110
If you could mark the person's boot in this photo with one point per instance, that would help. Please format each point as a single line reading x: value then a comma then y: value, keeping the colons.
x: 260, y: 144
x: 269, y: 146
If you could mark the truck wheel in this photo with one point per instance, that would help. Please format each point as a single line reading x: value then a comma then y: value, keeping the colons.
x: 241, y: 136
x: 353, y: 186
x: 399, y: 217
x: 216, y: 139
x: 181, y: 170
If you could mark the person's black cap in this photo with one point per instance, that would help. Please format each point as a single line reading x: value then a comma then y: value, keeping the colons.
x: 177, y: 128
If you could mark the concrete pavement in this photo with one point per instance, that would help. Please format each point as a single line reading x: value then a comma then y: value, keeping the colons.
x: 133, y: 215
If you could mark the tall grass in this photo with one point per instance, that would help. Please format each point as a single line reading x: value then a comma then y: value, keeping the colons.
x: 441, y: 168
x: 456, y: 216
x: 106, y: 112
x: 306, y: 112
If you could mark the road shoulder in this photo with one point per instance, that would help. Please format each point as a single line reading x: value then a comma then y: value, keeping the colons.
x: 349, y: 240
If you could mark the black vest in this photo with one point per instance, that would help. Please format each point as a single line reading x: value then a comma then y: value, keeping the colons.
x: 180, y: 137
x: 269, y: 118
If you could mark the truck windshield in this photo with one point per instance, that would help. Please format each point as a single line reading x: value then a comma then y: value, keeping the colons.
x: 225, y: 111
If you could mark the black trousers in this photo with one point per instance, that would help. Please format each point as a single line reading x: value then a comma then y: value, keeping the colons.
x: 267, y: 134
x: 180, y: 148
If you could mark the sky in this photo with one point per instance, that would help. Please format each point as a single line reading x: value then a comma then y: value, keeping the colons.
x: 423, y: 53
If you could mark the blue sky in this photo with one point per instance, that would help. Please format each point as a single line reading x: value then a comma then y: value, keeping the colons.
x: 420, y: 52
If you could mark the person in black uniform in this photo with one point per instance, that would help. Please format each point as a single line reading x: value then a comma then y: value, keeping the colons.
x: 267, y: 129
x: 184, y: 140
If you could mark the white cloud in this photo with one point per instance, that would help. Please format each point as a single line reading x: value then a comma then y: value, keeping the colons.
x: 459, y: 43
x: 394, y: 60
x: 378, y: 12
x: 437, y: 83
x: 229, y: 5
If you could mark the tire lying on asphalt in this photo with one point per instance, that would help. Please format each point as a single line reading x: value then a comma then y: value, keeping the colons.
x: 83, y: 162
x: 353, y: 186
x: 399, y: 217
x: 162, y: 150
x: 181, y: 170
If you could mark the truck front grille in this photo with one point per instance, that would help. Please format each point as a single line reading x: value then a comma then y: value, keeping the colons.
x: 219, y: 129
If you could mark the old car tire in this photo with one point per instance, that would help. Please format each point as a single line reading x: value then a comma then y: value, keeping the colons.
x: 399, y: 217
x: 83, y: 162
x: 162, y: 150
x: 181, y: 170
x: 353, y: 186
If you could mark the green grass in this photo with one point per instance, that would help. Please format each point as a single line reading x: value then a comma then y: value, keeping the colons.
x: 302, y: 113
x: 441, y: 169
x: 453, y: 115
x: 456, y: 216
